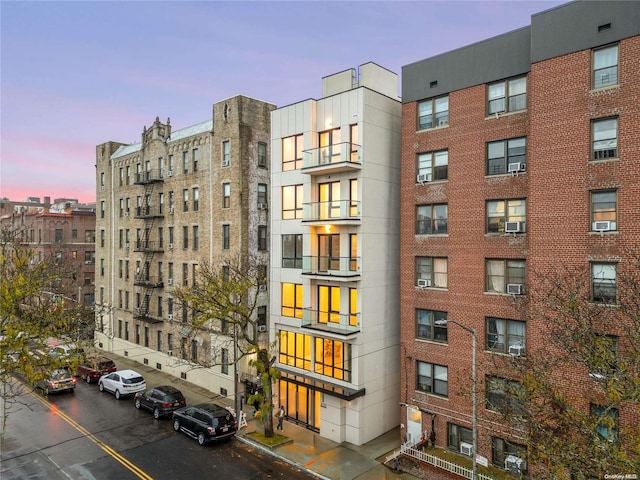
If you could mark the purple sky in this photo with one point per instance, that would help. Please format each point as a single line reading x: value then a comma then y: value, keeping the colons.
x: 78, y: 73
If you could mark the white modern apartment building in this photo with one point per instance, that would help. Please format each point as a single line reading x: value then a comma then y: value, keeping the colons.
x: 334, y: 275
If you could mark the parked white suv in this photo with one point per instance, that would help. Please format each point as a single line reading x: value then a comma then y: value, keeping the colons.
x: 122, y: 383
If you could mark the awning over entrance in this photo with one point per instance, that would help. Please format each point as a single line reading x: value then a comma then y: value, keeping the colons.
x: 333, y: 390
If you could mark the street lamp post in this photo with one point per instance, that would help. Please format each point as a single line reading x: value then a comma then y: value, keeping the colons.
x: 474, y: 415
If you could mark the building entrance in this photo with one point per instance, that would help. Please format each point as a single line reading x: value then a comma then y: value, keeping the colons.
x: 301, y: 404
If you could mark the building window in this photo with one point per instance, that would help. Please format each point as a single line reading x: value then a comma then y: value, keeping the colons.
x: 431, y: 325
x: 185, y: 200
x: 507, y: 96
x: 292, y: 153
x: 330, y: 146
x: 126, y: 331
x: 506, y: 216
x: 159, y: 340
x: 606, y: 420
x: 185, y: 282
x: 433, y: 166
x: 506, y: 336
x: 507, y: 455
x: 328, y: 304
x: 59, y: 235
x: 295, y: 350
x: 457, y: 435
x: 185, y: 237
x: 354, y: 152
x: 262, y: 237
x: 146, y: 337
x: 226, y: 237
x: 603, y: 358
x: 261, y: 317
x: 262, y: 154
x: 505, y: 276
x: 196, y: 199
x: 226, y: 153
x: 605, y: 67
x: 138, y: 334
x: 605, y: 138
x: 103, y: 208
x: 604, y: 210
x: 292, y: 300
x: 224, y: 361
x: 292, y: 251
x: 333, y: 358
x: 431, y: 272
x: 603, y: 282
x: 262, y: 195
x: 504, y: 396
x: 196, y: 239
x: 226, y: 195
x: 432, y: 378
x: 194, y: 350
x: 291, y: 202
x: 185, y: 161
x: 433, y: 113
x: 102, y: 237
x: 506, y: 156
x: 431, y: 219
x: 170, y: 343
x: 196, y: 158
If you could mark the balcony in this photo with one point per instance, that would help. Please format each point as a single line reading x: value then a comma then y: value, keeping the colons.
x: 341, y: 157
x: 338, y: 323
x: 148, y: 212
x: 345, y: 267
x: 148, y: 246
x: 345, y: 212
x: 143, y: 315
x: 142, y: 280
x: 144, y: 178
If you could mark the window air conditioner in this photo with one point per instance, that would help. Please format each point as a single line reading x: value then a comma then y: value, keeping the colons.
x: 423, y: 177
x: 170, y: 352
x: 225, y: 163
x: 423, y: 283
x: 171, y: 246
x: 262, y: 206
x: 170, y: 282
x: 170, y: 210
x: 602, y: 226
x: 513, y: 227
x: 515, y: 288
x: 262, y: 328
x: 102, y: 188
x: 517, y: 167
x: 466, y: 448
x: 170, y: 316
x: 170, y: 173
x: 516, y: 350
x: 126, y: 214
x: 126, y: 245
x: 262, y: 287
x: 514, y: 464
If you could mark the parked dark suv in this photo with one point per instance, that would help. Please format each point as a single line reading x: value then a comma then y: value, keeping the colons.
x: 205, y: 422
x: 95, y: 367
x: 160, y: 400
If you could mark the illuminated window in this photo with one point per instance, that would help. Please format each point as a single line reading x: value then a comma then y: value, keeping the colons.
x: 328, y: 304
x: 292, y: 153
x: 295, y: 350
x: 291, y: 202
x: 333, y: 358
x: 292, y: 300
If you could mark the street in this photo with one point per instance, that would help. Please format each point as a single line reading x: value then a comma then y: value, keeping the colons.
x: 91, y: 435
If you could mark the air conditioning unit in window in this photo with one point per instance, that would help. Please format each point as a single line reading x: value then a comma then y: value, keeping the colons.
x: 87, y: 262
x: 513, y: 227
x: 466, y: 448
x: 515, y: 288
x: 170, y: 173
x: 517, y: 167
x: 126, y: 214
x: 170, y: 282
x: 170, y: 210
x: 603, y: 226
x: 262, y: 287
x: 225, y: 163
x: 262, y: 328
x: 170, y: 316
x: 262, y: 206
x: 515, y: 464
x: 516, y: 350
x: 126, y: 245
x: 170, y: 352
x: 423, y: 283
x: 171, y: 246
x: 423, y: 177
x: 102, y: 188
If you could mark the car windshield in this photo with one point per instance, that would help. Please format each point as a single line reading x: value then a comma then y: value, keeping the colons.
x: 132, y: 380
x: 173, y: 397
x: 58, y: 375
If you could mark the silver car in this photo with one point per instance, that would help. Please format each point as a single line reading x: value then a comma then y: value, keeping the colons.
x: 58, y: 381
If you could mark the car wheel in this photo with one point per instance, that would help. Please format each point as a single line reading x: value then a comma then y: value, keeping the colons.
x: 117, y: 394
x: 101, y: 387
x: 88, y: 379
x: 137, y: 403
x: 201, y: 438
x: 176, y: 424
x: 156, y: 413
x: 46, y: 391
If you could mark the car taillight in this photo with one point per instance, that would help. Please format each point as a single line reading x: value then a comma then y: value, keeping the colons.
x: 211, y: 429
x: 73, y: 380
x: 166, y: 405
x: 53, y: 384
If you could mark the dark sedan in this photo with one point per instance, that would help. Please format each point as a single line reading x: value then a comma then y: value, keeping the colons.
x: 205, y: 422
x: 160, y: 401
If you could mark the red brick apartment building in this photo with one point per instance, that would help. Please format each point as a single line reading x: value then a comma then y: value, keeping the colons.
x: 519, y: 154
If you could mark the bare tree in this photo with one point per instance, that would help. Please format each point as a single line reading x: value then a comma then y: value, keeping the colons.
x: 573, y: 387
x: 224, y: 302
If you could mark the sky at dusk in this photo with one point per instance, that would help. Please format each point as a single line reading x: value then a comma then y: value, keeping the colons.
x: 75, y: 74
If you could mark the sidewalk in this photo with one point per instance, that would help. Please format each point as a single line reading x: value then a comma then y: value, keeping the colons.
x: 308, y: 450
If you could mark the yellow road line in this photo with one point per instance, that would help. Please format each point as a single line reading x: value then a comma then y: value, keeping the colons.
x: 106, y: 448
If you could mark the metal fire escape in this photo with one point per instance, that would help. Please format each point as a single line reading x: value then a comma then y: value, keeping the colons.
x: 143, y: 281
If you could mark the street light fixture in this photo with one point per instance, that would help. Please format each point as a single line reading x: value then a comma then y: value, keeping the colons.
x: 474, y: 417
